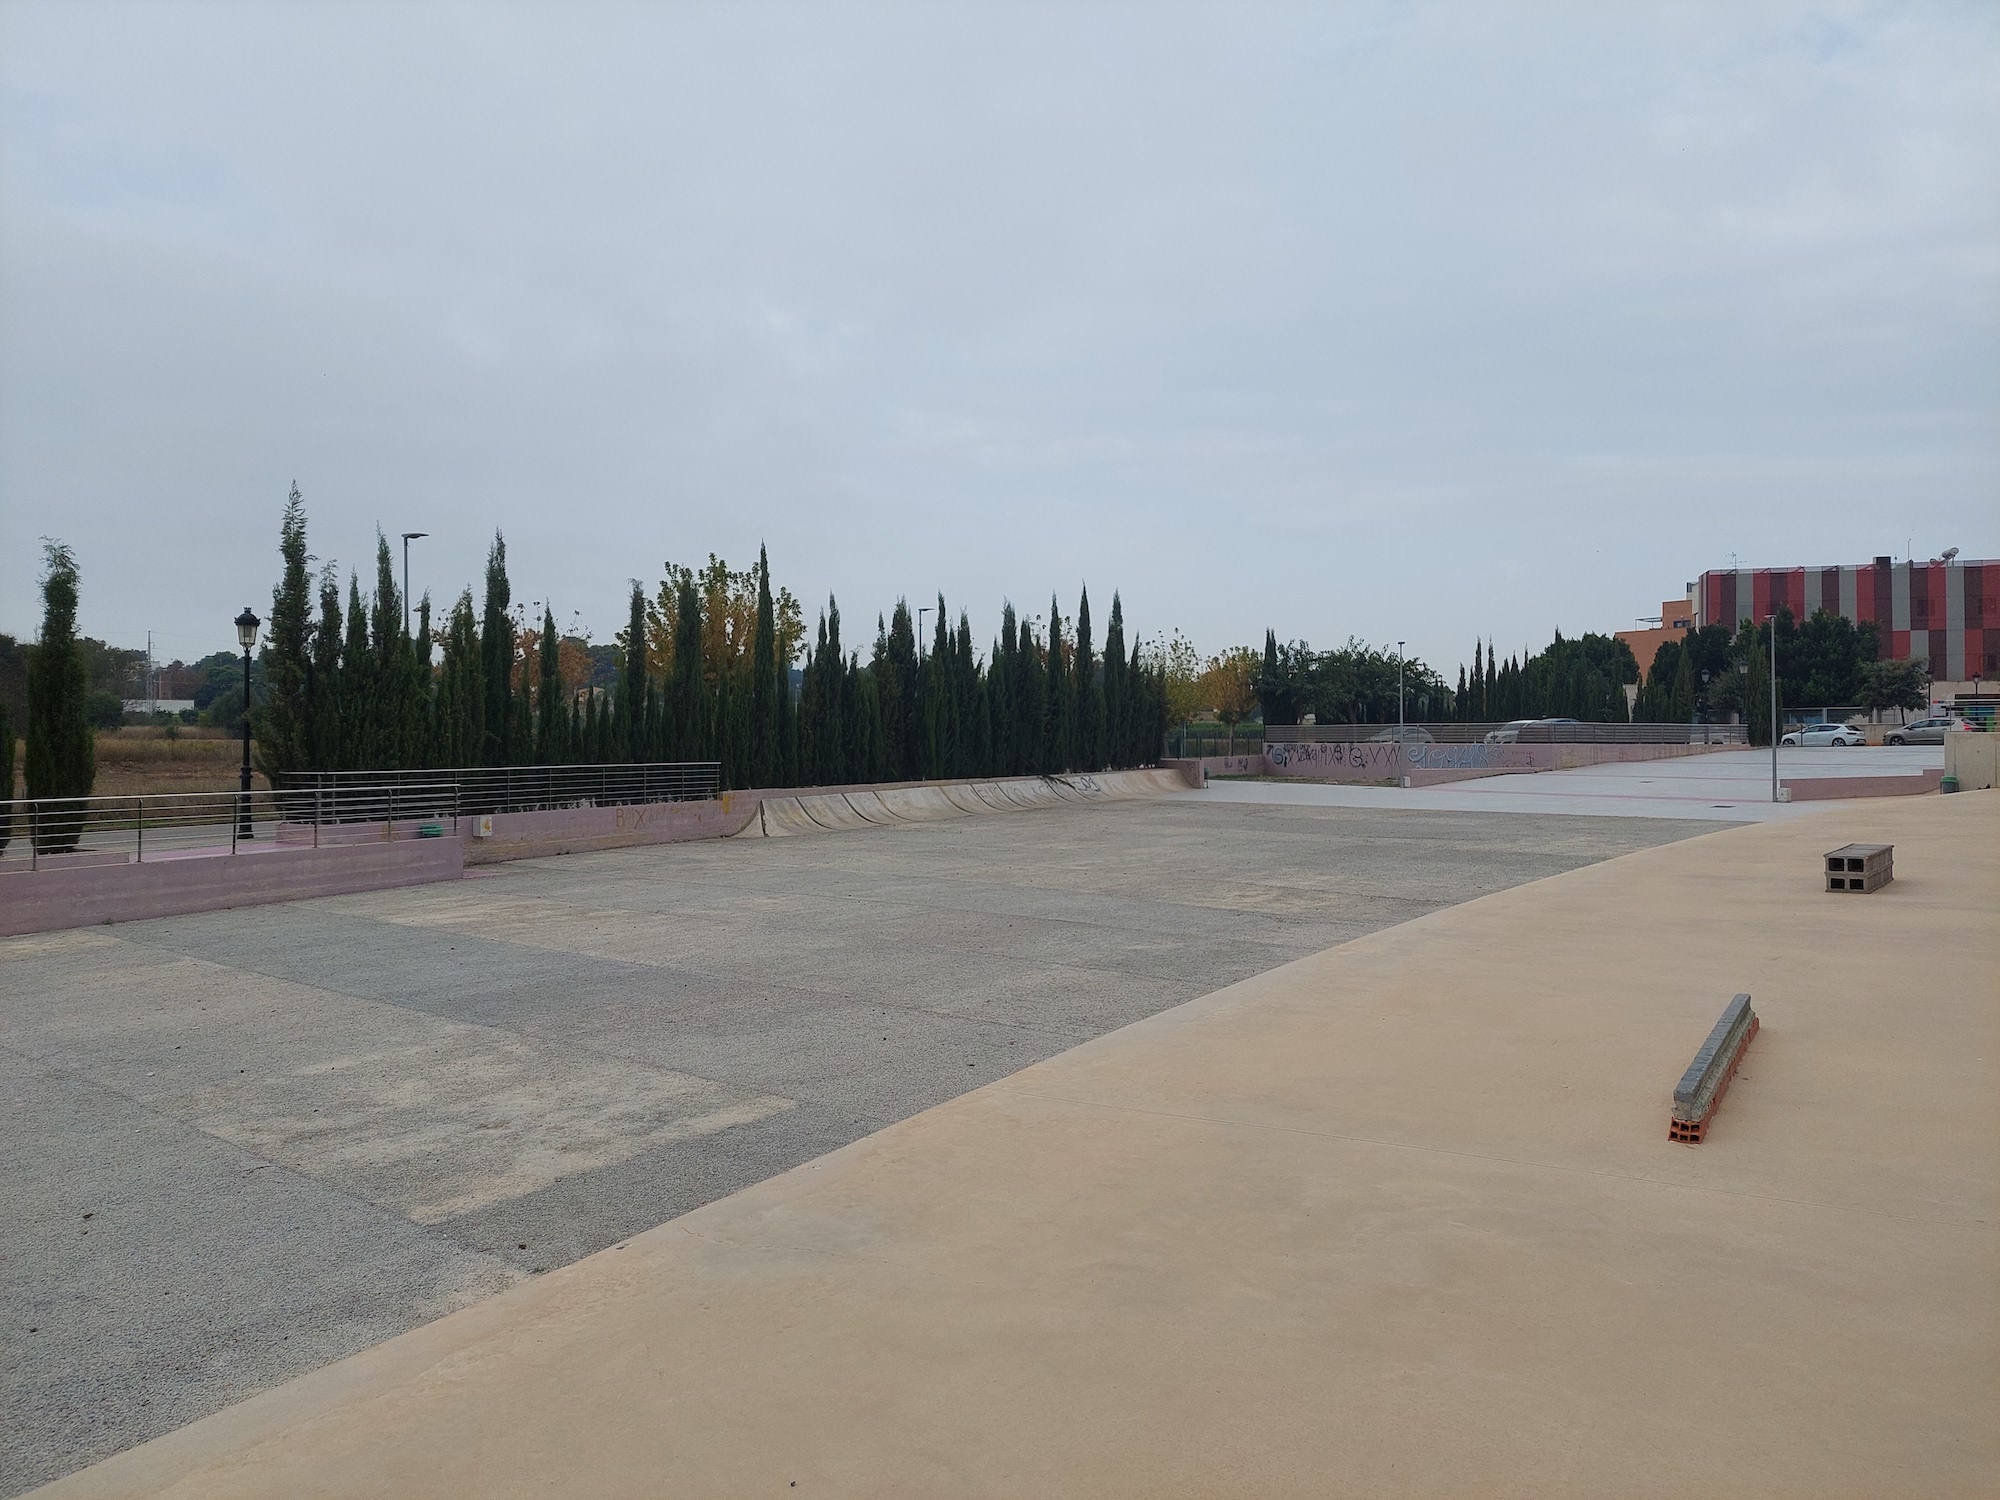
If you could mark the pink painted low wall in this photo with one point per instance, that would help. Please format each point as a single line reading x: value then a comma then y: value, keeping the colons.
x: 576, y: 830
x: 1431, y: 764
x: 1828, y: 788
x: 55, y: 897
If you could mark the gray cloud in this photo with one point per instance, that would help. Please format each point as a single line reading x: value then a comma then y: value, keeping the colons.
x: 1393, y: 320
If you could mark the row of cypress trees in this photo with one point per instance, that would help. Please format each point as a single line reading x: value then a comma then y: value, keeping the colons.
x: 1569, y: 679
x: 352, y: 688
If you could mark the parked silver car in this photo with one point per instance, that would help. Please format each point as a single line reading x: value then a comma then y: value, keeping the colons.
x: 1564, y: 729
x: 1409, y: 734
x: 1825, y: 734
x: 1929, y: 731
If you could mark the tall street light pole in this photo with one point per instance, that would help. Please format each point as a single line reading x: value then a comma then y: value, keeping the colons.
x: 1774, y: 706
x: 920, y: 629
x: 246, y: 637
x: 408, y: 537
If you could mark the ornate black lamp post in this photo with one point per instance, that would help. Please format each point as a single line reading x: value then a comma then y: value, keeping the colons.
x: 246, y: 636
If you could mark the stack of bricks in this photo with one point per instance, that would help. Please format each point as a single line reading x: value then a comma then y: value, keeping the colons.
x: 1860, y: 867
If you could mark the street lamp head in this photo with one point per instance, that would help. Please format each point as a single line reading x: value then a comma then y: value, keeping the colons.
x: 411, y: 536
x: 247, y: 624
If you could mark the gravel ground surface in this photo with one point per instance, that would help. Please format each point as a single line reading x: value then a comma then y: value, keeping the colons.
x: 243, y: 1144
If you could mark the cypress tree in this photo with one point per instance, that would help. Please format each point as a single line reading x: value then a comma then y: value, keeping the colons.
x: 398, y: 702
x: 1060, y: 745
x: 723, y: 750
x: 787, y: 760
x: 62, y: 754
x: 426, y: 685
x: 6, y: 774
x: 632, y: 682
x: 1028, y: 703
x: 936, y: 742
x: 965, y: 697
x: 764, y: 683
x: 811, y: 690
x: 496, y: 658
x: 1116, y: 712
x: 549, y: 707
x: 1089, y: 695
x: 833, y: 724
x: 460, y: 721
x: 902, y: 703
x: 1001, y: 685
x: 1681, y: 706
x: 324, y: 732
x: 282, y: 725
x: 360, y: 726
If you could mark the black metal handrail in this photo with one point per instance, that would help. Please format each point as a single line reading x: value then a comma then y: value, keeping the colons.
x: 503, y: 789
x: 167, y: 824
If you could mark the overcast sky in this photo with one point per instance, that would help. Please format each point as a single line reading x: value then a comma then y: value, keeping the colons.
x: 1391, y: 320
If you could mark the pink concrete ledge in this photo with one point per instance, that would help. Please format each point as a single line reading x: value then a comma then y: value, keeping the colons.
x: 575, y: 830
x: 56, y: 896
x: 1827, y: 788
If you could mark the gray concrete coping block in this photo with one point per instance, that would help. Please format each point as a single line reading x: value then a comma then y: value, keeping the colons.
x: 1696, y: 1091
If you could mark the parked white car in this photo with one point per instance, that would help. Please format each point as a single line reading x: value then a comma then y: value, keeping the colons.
x: 1825, y: 734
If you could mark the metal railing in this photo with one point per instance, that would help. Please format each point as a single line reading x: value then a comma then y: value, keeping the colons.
x: 116, y: 830
x: 503, y: 789
x: 1527, y: 734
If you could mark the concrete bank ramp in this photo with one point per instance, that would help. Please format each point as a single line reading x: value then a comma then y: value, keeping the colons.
x: 870, y: 807
x: 918, y: 804
x: 897, y: 806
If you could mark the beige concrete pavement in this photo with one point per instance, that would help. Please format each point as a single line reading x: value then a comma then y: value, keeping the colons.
x: 1399, y: 1219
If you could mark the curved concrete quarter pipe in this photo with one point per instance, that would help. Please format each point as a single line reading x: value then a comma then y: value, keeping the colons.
x: 869, y: 806
x: 832, y: 810
x: 964, y: 798
x: 919, y: 804
x: 897, y: 806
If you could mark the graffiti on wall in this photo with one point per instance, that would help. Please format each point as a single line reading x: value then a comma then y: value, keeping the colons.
x: 1335, y: 760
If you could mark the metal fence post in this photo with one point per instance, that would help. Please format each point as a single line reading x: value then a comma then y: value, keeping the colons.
x: 139, y: 856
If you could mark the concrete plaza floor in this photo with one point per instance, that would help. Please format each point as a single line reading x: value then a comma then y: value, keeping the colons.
x: 244, y: 1144
x: 1729, y: 786
x: 1397, y: 1219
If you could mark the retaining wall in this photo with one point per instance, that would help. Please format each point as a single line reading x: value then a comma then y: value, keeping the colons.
x: 1829, y: 788
x: 574, y: 830
x: 1430, y: 764
x: 1972, y: 759
x: 83, y: 895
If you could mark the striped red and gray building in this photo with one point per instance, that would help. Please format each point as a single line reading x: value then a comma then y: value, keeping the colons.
x: 1946, y: 614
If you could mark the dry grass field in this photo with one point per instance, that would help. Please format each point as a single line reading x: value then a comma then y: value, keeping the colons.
x: 136, y: 761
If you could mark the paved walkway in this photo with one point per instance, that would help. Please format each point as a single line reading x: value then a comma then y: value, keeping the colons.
x: 244, y: 1144
x: 1399, y: 1218
x: 1731, y: 786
